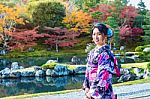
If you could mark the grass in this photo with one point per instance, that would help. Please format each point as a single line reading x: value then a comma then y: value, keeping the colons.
x: 132, y: 82
x: 139, y: 65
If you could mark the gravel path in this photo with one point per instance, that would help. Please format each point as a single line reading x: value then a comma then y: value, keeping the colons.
x: 137, y: 91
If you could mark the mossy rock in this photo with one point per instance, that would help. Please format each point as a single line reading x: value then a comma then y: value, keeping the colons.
x: 49, y: 65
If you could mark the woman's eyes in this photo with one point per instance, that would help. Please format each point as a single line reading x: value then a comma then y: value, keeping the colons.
x: 97, y: 33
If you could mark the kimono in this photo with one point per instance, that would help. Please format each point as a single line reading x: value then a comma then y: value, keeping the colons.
x: 101, y: 64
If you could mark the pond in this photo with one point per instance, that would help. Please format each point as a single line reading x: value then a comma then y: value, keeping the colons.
x: 11, y: 87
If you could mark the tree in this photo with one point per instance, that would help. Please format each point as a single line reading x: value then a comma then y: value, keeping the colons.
x: 101, y: 12
x: 78, y: 21
x: 61, y: 37
x: 23, y: 39
x: 142, y: 8
x: 47, y: 13
x: 127, y: 15
x: 9, y: 17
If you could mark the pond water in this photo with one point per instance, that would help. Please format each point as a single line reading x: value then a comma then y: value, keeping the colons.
x: 11, y: 87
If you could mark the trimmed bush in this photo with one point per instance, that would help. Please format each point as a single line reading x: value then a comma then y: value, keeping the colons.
x: 47, y: 13
x: 148, y: 67
x: 139, y: 48
x: 49, y: 66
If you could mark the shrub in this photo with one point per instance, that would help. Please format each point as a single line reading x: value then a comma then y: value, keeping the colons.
x: 47, y: 13
x: 139, y: 48
x: 89, y: 47
x: 49, y: 65
x: 148, y: 66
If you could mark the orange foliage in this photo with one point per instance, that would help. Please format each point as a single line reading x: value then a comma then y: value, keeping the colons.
x: 10, y: 16
x: 78, y: 21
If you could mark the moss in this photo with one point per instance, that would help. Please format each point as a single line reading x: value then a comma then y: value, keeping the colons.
x: 49, y: 65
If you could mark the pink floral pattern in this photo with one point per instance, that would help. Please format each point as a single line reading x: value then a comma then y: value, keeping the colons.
x: 101, y: 64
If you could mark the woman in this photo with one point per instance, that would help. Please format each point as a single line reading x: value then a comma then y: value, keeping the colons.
x: 100, y: 66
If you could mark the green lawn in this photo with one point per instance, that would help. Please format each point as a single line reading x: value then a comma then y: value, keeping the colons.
x: 139, y: 65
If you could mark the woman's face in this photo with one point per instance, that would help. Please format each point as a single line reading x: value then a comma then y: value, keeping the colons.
x: 98, y: 37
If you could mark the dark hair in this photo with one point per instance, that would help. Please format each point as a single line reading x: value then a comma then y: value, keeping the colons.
x: 101, y: 27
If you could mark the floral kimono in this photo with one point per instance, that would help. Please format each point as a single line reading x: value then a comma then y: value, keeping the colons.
x: 100, y: 67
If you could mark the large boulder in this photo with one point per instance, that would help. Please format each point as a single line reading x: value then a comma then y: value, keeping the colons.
x: 61, y: 70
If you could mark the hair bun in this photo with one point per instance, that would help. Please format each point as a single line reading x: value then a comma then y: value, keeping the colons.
x: 109, y: 33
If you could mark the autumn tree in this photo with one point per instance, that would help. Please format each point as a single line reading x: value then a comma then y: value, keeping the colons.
x: 61, y: 37
x: 101, y: 12
x: 9, y: 17
x: 78, y: 21
x: 23, y: 39
x: 128, y: 13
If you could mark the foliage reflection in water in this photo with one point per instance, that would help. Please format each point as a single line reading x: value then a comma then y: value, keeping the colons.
x: 30, y: 85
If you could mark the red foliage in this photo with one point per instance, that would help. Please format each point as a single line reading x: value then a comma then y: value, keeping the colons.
x: 104, y: 9
x: 128, y: 12
x: 23, y: 39
x: 126, y: 32
x: 62, y: 37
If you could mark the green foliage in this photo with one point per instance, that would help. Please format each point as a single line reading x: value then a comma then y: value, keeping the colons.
x: 139, y: 48
x: 112, y: 22
x: 49, y: 65
x: 142, y: 8
x: 86, y: 4
x: 138, y: 22
x: 89, y: 47
x: 146, y: 27
x: 96, y: 14
x: 148, y: 66
x: 47, y: 13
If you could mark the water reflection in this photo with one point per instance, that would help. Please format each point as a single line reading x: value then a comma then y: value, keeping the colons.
x: 9, y: 87
x: 29, y: 85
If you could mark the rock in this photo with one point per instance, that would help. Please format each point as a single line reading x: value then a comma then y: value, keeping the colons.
x: 75, y: 60
x: 137, y: 71
x: 30, y: 49
x: 80, y: 70
x: 5, y: 71
x: 5, y: 75
x: 48, y: 72
x: 21, y: 67
x: 147, y: 49
x: 15, y: 66
x: 36, y: 68
x: 51, y: 61
x: 147, y: 75
x: 15, y: 74
x: 28, y: 74
x: 39, y: 73
x: 61, y: 70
